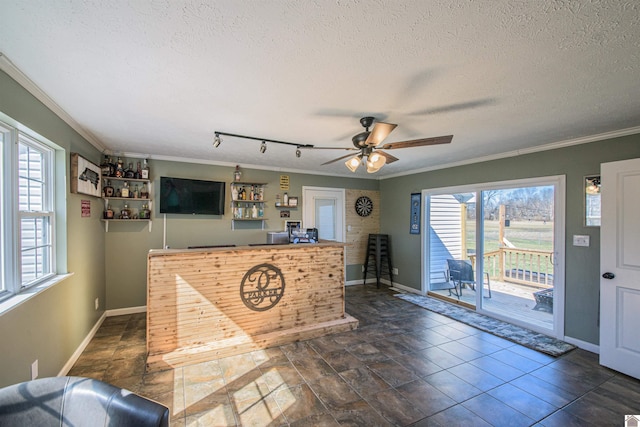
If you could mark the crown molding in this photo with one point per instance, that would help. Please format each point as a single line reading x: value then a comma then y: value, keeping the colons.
x: 14, y: 72
x: 551, y: 146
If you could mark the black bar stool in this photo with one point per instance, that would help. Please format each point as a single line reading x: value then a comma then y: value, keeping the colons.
x: 378, y: 255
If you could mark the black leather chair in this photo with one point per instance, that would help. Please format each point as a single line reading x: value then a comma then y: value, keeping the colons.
x: 76, y: 401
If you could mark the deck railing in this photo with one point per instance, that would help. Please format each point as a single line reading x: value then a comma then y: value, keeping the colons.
x: 525, y: 266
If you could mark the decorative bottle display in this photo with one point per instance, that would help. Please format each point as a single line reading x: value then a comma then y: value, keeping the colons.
x: 285, y: 199
x: 124, y: 192
x: 129, y: 172
x: 144, y: 191
x: 254, y: 211
x: 146, y: 172
x: 119, y: 169
x: 108, y: 189
x: 237, y: 174
x: 125, y: 213
x: 107, y: 166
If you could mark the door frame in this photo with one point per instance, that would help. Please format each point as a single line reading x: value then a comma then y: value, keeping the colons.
x: 559, y: 182
x: 309, y: 194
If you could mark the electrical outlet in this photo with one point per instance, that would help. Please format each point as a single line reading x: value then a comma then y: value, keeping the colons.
x: 394, y: 271
x: 34, y: 370
x: 97, y: 303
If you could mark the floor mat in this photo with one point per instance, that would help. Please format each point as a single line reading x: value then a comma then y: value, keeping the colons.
x: 517, y: 334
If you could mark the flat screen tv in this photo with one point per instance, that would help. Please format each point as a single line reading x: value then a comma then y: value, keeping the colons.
x: 191, y: 196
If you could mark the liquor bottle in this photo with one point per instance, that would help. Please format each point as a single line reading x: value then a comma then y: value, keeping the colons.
x: 251, y: 193
x: 234, y: 193
x: 105, y: 166
x: 254, y: 211
x: 108, y: 189
x: 145, y: 213
x: 144, y: 191
x: 119, y: 169
x: 261, y: 194
x: 146, y: 172
x: 125, y: 190
x: 129, y: 172
x: 260, y: 212
x: 125, y: 213
x: 237, y: 174
x: 138, y: 171
x: 108, y: 213
x: 136, y: 192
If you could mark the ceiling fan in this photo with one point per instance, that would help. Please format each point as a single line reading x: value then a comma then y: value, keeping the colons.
x: 369, y: 145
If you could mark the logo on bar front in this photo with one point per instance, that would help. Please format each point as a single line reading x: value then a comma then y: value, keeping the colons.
x: 262, y: 287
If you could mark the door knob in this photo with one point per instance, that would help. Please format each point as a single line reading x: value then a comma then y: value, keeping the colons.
x: 608, y: 275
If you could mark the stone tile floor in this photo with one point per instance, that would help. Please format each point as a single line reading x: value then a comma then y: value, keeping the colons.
x: 403, y: 366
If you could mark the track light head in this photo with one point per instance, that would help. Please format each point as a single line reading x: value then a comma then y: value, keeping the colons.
x: 298, y: 152
x: 217, y: 141
x: 263, y: 147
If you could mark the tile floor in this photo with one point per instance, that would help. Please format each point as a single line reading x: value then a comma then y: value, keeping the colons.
x: 404, y: 366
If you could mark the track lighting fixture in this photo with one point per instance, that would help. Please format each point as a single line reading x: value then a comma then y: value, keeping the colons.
x: 263, y: 146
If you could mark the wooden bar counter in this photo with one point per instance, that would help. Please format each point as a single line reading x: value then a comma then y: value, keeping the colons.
x: 210, y: 303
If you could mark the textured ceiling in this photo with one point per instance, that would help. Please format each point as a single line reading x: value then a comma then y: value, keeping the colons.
x: 159, y: 77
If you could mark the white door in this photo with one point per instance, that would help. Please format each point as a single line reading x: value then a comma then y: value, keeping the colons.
x: 620, y: 267
x: 323, y: 208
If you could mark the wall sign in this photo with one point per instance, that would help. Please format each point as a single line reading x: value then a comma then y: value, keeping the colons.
x: 85, y: 176
x: 262, y: 287
x: 415, y: 213
x: 284, y: 182
x: 85, y: 208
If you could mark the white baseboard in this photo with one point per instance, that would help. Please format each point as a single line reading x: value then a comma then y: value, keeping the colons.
x: 359, y: 282
x: 128, y: 310
x: 76, y: 354
x: 593, y: 348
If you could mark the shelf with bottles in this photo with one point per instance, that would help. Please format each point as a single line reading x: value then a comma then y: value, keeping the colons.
x: 132, y: 169
x: 247, y: 192
x: 287, y: 202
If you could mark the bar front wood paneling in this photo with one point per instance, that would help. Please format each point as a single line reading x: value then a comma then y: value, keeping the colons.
x: 206, y: 304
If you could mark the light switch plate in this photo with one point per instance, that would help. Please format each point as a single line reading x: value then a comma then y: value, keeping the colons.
x: 579, y: 240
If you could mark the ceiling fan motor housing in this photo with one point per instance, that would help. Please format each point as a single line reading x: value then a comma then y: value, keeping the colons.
x: 359, y: 139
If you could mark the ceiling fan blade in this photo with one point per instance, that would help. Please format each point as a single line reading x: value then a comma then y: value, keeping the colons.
x: 380, y: 131
x: 418, y: 142
x: 389, y: 157
x: 335, y: 160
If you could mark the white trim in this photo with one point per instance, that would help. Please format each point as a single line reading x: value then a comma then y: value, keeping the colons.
x: 593, y: 348
x: 8, y: 67
x: 83, y: 345
x: 559, y: 182
x: 127, y: 310
x: 359, y: 282
x: 523, y: 151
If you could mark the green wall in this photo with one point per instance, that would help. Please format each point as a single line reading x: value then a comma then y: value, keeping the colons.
x: 127, y: 244
x: 582, y: 264
x: 52, y: 325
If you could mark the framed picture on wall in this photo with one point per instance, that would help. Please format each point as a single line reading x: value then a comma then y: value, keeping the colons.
x: 85, y: 176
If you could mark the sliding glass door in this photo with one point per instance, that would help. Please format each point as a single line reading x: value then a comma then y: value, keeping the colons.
x: 497, y: 248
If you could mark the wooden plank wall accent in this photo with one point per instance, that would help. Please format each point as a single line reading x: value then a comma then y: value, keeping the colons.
x: 195, y: 313
x: 361, y: 227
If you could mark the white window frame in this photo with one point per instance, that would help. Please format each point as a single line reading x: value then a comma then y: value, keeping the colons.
x: 11, y: 246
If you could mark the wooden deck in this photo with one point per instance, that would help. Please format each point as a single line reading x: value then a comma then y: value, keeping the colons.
x: 511, y: 300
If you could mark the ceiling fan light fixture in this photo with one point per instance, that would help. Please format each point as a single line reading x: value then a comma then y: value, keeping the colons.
x: 353, y: 163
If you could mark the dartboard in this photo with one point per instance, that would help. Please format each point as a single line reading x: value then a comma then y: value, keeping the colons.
x: 364, y: 206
